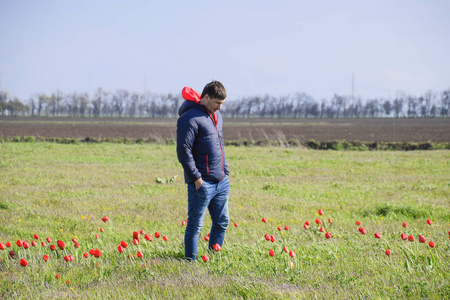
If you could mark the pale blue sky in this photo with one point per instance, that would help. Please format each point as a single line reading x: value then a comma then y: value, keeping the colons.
x: 253, y: 47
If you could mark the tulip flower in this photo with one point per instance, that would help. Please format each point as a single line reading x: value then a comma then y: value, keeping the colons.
x: 404, y: 224
x: 387, y: 252
x: 135, y: 241
x: 236, y: 224
x: 23, y: 262
x: 8, y: 244
x: 272, y: 238
x: 279, y: 228
x: 11, y: 253
x: 33, y: 243
x: 322, y: 229
x: 431, y: 244
x: 267, y: 237
x: 57, y: 276
x: 61, y: 245
x: 360, y: 229
x: 206, y: 238
x: 429, y: 222
x: 205, y: 258
x: 285, y: 249
x: 92, y: 252
x: 45, y: 257
x: 422, y: 239
x: 85, y: 254
x: 105, y: 218
x: 101, y: 229
x: 330, y: 220
x: 52, y: 247
x: 378, y: 235
x: 49, y: 240
x: 411, y: 238
x: 2, y: 246
x: 264, y: 220
x: 183, y: 223
x: 271, y: 252
x: 142, y: 232
x: 97, y: 253
x: 97, y: 236
x: 19, y: 243
x: 157, y: 235
x: 292, y: 254
x: 217, y: 247
x: 135, y: 235
x: 139, y: 254
x: 26, y: 245
x: 358, y: 223
x: 306, y: 226
x: 165, y: 238
x: 120, y: 248
x: 123, y: 244
x: 286, y: 227
x: 320, y: 212
x: 328, y: 235
x: 404, y: 236
x: 43, y: 244
x: 35, y: 236
x: 307, y: 222
x: 148, y: 237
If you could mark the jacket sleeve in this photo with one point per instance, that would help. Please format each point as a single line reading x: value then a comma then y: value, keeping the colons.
x: 187, y: 130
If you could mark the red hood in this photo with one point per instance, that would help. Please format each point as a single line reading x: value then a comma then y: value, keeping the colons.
x: 190, y: 94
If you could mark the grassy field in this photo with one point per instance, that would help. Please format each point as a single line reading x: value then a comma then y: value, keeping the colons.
x: 63, y: 192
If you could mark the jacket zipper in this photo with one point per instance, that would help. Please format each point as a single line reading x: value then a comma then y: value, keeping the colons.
x: 220, y: 144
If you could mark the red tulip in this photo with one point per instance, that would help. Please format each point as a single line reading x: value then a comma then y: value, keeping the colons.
x: 292, y: 254
x: 58, y: 276
x: 97, y: 253
x: 364, y: 232
x: 285, y: 249
x: 411, y: 238
x: 11, y: 253
x: 26, y: 245
x: 101, y: 229
x: 360, y: 229
x: 272, y: 238
x: 165, y: 238
x: 157, y: 235
x: 123, y: 244
x: 358, y: 223
x: 306, y: 226
x: 142, y: 232
x: 135, y: 235
x: 205, y: 258
x: 404, y: 224
x: 35, y: 236
x: 286, y: 227
x: 183, y: 223
x: 76, y: 245
x: 33, y: 243
x: 307, y: 223
x: 217, y: 247
x: 422, y: 239
x: 66, y: 258
x: 19, y: 243
x: 92, y: 252
x: 8, y: 244
x: 267, y: 237
x: 264, y: 220
x: 139, y: 254
x: 45, y: 257
x: 429, y: 222
x: 120, y: 248
x: 404, y: 236
x: 61, y: 245
x: 52, y: 247
x: 105, y: 218
x: 49, y: 240
x: 43, y: 244
x: 135, y: 241
x: 387, y: 252
x: 330, y: 220
x: 2, y: 246
x: 206, y: 238
x: 318, y: 221
x: 97, y: 236
x: 23, y: 262
x: 271, y: 252
x: 148, y: 237
x: 85, y: 254
x: 328, y: 235
x: 320, y: 212
x: 68, y: 282
x: 279, y: 228
x: 236, y: 224
x: 322, y: 229
x: 209, y: 234
x: 431, y: 244
x: 378, y: 235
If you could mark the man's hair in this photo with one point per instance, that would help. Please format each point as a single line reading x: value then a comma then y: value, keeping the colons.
x: 214, y: 89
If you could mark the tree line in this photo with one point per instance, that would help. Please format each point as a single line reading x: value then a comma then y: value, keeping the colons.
x: 123, y: 103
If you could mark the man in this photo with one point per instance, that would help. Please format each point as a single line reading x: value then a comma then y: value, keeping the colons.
x: 200, y: 151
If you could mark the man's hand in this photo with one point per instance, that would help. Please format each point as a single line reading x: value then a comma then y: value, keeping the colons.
x: 198, y: 183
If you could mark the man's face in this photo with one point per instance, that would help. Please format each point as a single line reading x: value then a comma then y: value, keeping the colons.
x: 212, y: 104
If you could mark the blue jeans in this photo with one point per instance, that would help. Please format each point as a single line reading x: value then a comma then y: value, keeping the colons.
x: 211, y: 195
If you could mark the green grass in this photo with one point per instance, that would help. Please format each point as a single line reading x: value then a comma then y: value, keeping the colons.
x: 62, y: 191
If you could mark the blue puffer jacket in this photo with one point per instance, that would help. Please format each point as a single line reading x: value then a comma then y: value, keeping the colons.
x: 200, y: 146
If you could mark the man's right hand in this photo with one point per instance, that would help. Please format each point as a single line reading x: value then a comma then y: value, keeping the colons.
x: 198, y: 183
